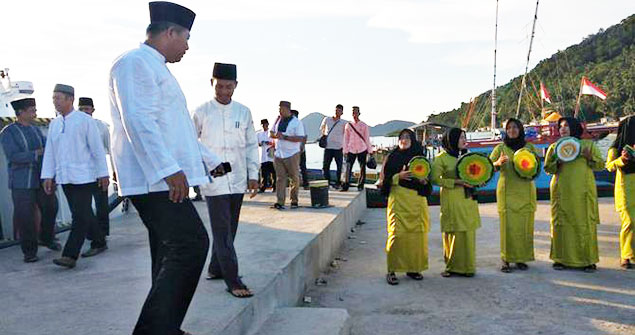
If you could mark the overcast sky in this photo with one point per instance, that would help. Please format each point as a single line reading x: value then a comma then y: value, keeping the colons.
x: 395, y: 59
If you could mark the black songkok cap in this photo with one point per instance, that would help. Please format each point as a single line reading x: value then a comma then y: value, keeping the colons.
x: 64, y: 89
x: 264, y: 121
x: 224, y: 71
x: 22, y: 104
x: 163, y: 11
x: 86, y: 102
x: 285, y: 104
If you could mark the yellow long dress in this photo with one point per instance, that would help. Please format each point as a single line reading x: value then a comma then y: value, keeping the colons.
x: 574, y: 207
x: 516, y: 200
x: 408, y: 223
x: 624, y: 202
x: 459, y: 217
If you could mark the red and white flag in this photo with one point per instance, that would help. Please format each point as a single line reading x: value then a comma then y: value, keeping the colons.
x: 589, y: 89
x: 544, y: 94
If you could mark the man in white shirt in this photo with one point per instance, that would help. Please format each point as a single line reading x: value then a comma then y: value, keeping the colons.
x: 75, y: 158
x: 226, y: 127
x: 100, y: 195
x: 289, y: 134
x: 333, y: 129
x: 267, y: 172
x: 157, y: 157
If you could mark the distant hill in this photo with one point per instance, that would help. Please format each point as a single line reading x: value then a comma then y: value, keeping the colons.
x: 389, y: 127
x: 606, y: 58
x: 313, y: 121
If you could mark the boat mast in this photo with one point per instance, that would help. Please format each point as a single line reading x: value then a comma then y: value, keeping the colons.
x: 493, y: 122
x: 531, y: 42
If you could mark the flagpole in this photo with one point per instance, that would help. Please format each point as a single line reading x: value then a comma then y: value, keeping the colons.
x: 493, y: 123
x: 531, y: 42
x: 577, y: 103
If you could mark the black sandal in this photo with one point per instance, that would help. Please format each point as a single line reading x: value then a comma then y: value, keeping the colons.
x: 626, y: 264
x: 211, y: 276
x: 522, y: 266
x: 415, y: 275
x: 590, y: 268
x: 558, y: 266
x: 446, y: 274
x: 505, y: 267
x: 233, y: 292
x: 392, y: 279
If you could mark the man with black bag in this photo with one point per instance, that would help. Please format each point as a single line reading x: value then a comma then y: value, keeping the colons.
x: 332, y: 130
x: 356, y: 147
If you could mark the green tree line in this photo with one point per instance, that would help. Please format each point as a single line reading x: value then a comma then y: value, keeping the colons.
x: 606, y: 58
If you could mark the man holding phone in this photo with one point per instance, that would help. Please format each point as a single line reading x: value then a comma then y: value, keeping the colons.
x: 157, y: 157
x: 226, y: 127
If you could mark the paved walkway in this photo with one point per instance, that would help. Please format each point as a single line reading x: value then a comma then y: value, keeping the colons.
x: 539, y: 301
x: 103, y: 295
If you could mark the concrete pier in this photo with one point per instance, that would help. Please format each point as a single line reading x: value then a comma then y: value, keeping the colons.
x: 280, y: 254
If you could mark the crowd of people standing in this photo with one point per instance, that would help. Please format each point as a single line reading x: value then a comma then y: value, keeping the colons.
x: 159, y: 149
x: 573, y: 194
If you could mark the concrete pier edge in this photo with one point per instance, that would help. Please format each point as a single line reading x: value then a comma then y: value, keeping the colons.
x: 287, y: 288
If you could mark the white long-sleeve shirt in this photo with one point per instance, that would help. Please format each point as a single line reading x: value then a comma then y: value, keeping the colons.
x: 153, y: 135
x: 266, y: 150
x: 104, y: 134
x: 228, y: 130
x: 74, y: 152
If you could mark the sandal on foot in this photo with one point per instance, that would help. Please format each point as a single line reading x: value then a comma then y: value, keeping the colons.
x: 245, y: 289
x: 277, y: 206
x: 211, y: 276
x: 558, y: 266
x: 392, y: 279
x: 626, y: 264
x: 522, y: 266
x: 505, y: 267
x: 590, y: 268
x: 415, y: 275
x: 446, y: 274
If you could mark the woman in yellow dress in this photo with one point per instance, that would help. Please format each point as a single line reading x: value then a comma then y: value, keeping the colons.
x: 459, y: 209
x: 407, y: 215
x: 574, y: 203
x: 621, y: 161
x: 516, y: 199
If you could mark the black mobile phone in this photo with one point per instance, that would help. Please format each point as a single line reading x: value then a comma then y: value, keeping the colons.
x: 222, y: 170
x: 227, y: 167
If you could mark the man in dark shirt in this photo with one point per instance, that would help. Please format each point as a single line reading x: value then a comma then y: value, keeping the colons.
x: 23, y: 146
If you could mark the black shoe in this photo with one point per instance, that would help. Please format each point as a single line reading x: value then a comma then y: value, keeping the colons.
x: 360, y: 188
x: 55, y: 246
x: 344, y: 189
x: 66, y: 262
x: 558, y: 266
x: 30, y: 259
x: 94, y: 251
x: 277, y: 206
x: 294, y: 205
x: 261, y: 191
